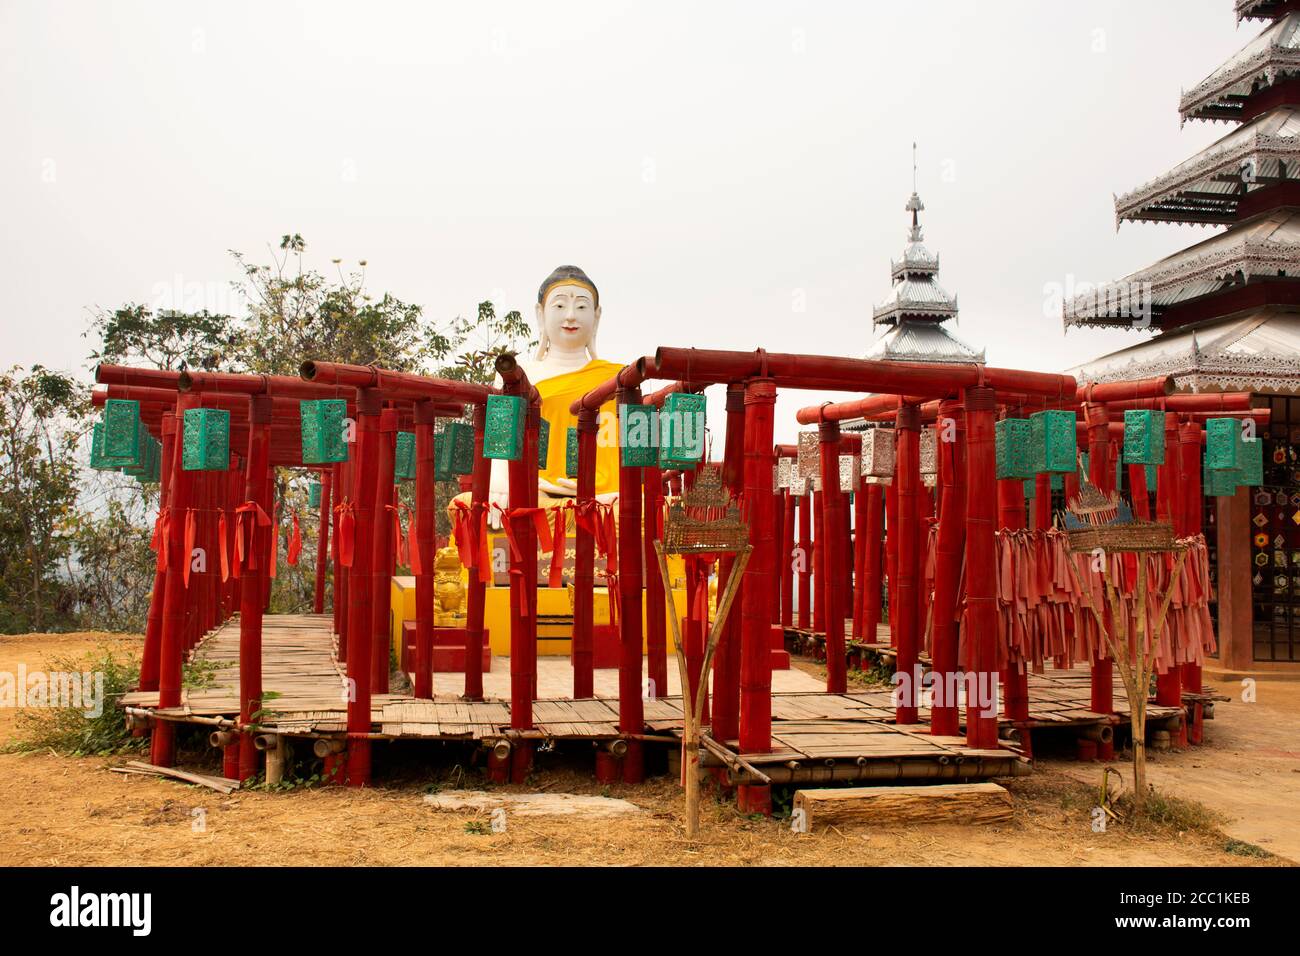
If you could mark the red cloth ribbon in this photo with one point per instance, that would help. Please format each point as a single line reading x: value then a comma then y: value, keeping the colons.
x: 557, y: 546
x: 401, y: 543
x: 346, y: 534
x: 221, y: 545
x: 463, y: 531
x: 161, y: 533
x: 274, y: 537
x: 295, y: 543
x: 191, y: 531
x: 248, y: 516
x: 413, y: 543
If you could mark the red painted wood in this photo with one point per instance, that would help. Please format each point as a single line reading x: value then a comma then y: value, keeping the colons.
x: 756, y: 656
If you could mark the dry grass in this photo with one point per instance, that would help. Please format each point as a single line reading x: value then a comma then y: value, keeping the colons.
x: 73, y: 811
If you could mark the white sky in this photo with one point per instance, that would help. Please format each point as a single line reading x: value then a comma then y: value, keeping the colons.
x: 709, y: 164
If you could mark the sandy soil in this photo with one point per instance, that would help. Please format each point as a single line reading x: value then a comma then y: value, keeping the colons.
x: 73, y: 811
x: 1248, y: 769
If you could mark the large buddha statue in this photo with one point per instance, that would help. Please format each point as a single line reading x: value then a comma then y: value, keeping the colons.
x: 564, y: 369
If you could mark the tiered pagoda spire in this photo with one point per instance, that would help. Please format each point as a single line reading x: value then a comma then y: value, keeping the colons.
x: 918, y: 305
x: 1224, y: 302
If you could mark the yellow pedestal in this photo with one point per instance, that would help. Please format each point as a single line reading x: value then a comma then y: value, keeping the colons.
x: 553, y: 638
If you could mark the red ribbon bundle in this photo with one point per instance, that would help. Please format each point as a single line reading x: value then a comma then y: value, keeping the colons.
x: 161, y: 533
x: 346, y: 535
x: 222, y: 546
x: 295, y: 543
x: 191, y: 532
x: 248, y: 517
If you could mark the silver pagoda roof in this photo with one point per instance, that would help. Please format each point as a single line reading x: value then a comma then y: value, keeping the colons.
x: 1266, y: 247
x: 1271, y: 56
x: 1209, y: 187
x: 1253, y: 351
x: 916, y: 293
x: 1259, y: 9
x: 911, y: 341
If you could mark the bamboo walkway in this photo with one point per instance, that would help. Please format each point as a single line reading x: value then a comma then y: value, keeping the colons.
x: 306, y: 695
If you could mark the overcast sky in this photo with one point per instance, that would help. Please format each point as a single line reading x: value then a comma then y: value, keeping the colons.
x: 729, y: 174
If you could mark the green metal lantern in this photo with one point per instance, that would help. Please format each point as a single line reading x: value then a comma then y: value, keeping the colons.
x: 1012, y: 446
x: 1252, y: 462
x: 453, y: 451
x: 1144, y: 437
x: 637, y: 444
x: 503, y: 431
x: 1053, y: 444
x: 681, y: 430
x: 543, y: 443
x: 324, y: 423
x: 404, y: 457
x: 1223, y: 444
x: 122, y: 430
x: 571, y: 453
x: 205, y: 444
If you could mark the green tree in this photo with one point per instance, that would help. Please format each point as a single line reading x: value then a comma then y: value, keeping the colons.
x: 41, y: 426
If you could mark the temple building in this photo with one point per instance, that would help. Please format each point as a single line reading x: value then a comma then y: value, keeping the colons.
x: 1226, y: 316
x: 917, y: 307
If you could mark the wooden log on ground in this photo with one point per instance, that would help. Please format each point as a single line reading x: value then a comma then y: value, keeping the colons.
x: 966, y: 803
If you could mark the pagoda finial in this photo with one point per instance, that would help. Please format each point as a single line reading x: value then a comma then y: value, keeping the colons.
x: 914, y: 204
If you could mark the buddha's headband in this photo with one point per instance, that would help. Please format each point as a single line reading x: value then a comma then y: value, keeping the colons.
x: 568, y: 280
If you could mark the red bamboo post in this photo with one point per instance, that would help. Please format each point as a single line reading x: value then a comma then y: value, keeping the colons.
x: 1103, y: 477
x: 756, y: 653
x: 480, y: 483
x: 874, y: 531
x: 521, y: 762
x: 163, y: 744
x: 323, y: 539
x: 656, y: 622
x: 805, y: 564
x: 1043, y: 501
x: 631, y: 718
x: 859, y: 538
x: 584, y: 561
x: 1190, y: 432
x: 261, y: 540
x: 981, y: 570
x: 422, y: 546
x: 891, y: 555
x: 153, y: 628
x: 521, y: 691
x: 908, y: 426
x: 819, y: 560
x: 1011, y: 503
x: 1170, y: 490
x: 343, y: 572
x: 1015, y: 676
x: 382, y: 552
x: 726, y: 671
x: 361, y: 586
x: 1137, y: 483
x: 924, y: 516
x: 945, y: 718
x: 778, y: 521
x: 832, y: 559
x: 786, y: 558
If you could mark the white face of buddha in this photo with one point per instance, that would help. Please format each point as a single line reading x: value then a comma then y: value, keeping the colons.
x: 568, y: 317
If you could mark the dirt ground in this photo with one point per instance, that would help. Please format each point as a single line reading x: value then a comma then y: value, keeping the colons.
x: 57, y: 810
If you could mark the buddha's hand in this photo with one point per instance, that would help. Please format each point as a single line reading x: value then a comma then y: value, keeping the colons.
x: 608, y: 498
x: 560, y: 488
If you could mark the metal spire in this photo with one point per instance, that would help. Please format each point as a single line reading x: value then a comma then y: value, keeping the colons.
x: 914, y: 204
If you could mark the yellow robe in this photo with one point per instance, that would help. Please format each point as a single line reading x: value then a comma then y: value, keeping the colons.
x: 557, y: 393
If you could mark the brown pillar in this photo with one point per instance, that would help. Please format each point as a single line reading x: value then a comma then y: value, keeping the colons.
x: 1236, y: 614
